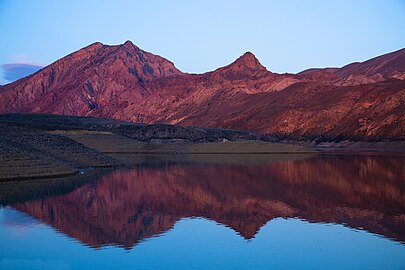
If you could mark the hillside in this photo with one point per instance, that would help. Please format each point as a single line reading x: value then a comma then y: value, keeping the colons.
x: 361, y: 101
x: 43, y: 146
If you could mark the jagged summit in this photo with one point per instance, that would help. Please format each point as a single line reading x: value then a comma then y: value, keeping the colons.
x: 249, y: 60
x: 246, y: 66
x: 128, y: 44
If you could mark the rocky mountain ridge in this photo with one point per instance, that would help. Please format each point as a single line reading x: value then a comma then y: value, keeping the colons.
x: 362, y: 101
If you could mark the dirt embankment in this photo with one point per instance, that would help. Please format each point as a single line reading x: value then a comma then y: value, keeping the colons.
x: 41, y: 146
x: 27, y: 153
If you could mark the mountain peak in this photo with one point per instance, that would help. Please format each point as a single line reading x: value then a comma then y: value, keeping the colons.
x: 248, y: 56
x: 248, y: 60
x: 129, y: 44
x: 246, y: 65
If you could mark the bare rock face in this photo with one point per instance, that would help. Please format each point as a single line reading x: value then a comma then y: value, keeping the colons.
x: 246, y: 66
x: 361, y: 100
x: 86, y: 80
x: 387, y: 66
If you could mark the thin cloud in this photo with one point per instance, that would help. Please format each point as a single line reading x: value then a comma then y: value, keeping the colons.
x: 14, y: 71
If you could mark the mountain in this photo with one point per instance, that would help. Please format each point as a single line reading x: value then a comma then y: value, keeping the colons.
x: 86, y: 80
x: 359, y: 101
x: 391, y: 65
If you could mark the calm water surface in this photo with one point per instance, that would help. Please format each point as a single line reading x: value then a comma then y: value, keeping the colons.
x: 211, y: 212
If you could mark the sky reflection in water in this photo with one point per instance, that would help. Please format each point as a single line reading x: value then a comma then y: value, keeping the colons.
x: 283, y: 215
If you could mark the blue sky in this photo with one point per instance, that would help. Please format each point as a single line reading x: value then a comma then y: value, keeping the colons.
x: 199, y: 36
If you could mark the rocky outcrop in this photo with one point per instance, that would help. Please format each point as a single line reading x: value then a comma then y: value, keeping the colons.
x: 361, y: 101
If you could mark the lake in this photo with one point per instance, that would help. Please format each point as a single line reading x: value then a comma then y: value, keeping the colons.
x: 211, y: 212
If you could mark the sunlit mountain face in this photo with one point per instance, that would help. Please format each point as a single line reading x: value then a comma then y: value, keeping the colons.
x: 358, y: 101
x: 126, y: 206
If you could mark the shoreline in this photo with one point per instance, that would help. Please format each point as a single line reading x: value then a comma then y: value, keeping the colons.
x: 193, y: 157
x: 50, y: 146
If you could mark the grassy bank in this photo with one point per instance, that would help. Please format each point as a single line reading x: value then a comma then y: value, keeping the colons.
x: 46, y: 146
x: 107, y: 142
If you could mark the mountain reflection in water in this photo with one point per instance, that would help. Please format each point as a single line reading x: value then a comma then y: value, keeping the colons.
x: 128, y: 205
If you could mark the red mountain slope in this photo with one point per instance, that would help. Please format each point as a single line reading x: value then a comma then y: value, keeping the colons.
x: 364, y: 100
